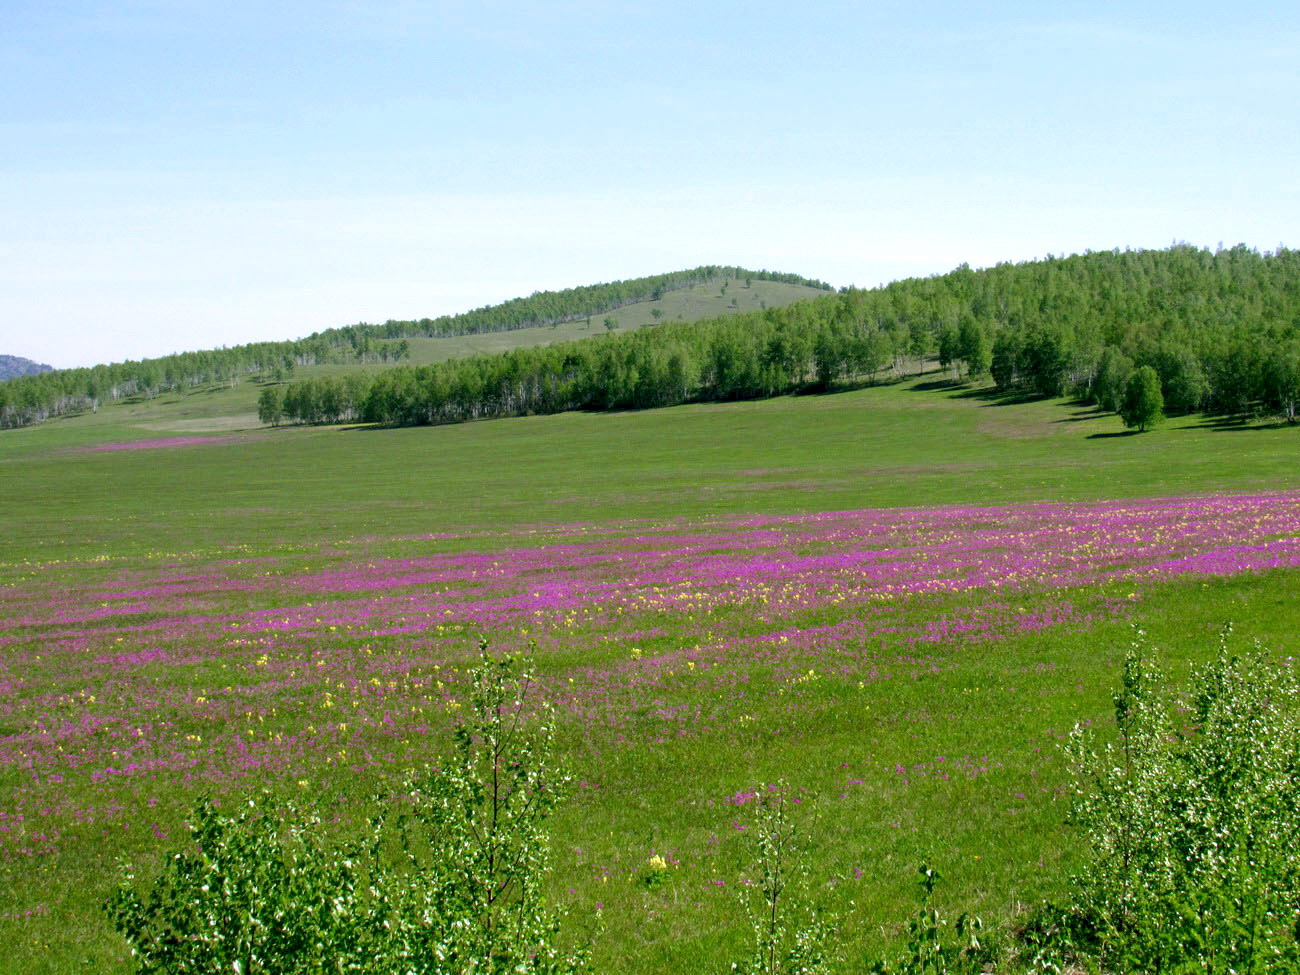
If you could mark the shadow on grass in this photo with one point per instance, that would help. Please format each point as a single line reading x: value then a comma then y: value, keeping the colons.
x: 1244, y: 427
x: 1239, y: 422
x: 880, y: 380
x: 1112, y: 436
x: 1079, y: 416
x: 992, y: 396
x: 362, y: 426
x: 935, y: 385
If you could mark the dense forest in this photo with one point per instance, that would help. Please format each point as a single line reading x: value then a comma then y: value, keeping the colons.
x: 34, y: 398
x: 1220, y: 330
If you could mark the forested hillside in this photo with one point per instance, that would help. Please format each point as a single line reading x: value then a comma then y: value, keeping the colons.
x: 555, y: 307
x: 12, y: 366
x: 68, y: 391
x: 1220, y: 329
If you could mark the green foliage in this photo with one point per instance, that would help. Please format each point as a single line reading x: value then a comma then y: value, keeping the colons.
x: 973, y: 347
x: 254, y: 892
x: 447, y: 878
x: 1144, y: 405
x: 1004, y: 366
x: 935, y: 946
x: 1220, y: 329
x: 31, y: 399
x: 1282, y: 379
x: 1113, y: 373
x: 555, y: 307
x: 949, y: 347
x: 743, y: 356
x: 468, y: 895
x: 1045, y: 357
x: 270, y: 405
x: 790, y: 936
x: 1183, y: 382
x: 656, y: 873
x: 1191, y: 818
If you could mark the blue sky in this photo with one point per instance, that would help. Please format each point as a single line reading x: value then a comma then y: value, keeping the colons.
x: 187, y: 174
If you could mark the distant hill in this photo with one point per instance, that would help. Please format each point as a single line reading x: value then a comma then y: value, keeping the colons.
x: 540, y: 319
x: 543, y: 308
x: 13, y: 366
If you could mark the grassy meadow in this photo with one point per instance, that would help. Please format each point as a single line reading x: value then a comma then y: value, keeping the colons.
x: 899, y: 599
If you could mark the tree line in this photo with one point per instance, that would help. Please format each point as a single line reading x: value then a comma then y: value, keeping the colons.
x: 66, y: 391
x: 31, y: 399
x: 1219, y: 330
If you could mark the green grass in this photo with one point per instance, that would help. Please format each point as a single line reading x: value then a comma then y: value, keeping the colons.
x: 323, y: 498
x: 880, y: 446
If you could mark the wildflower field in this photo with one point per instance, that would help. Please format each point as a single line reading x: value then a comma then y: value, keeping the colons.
x: 908, y: 669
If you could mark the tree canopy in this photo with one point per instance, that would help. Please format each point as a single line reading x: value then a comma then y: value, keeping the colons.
x: 1143, y: 404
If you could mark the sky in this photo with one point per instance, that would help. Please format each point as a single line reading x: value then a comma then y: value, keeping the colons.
x: 186, y: 174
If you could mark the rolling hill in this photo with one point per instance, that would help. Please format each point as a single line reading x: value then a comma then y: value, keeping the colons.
x: 220, y: 379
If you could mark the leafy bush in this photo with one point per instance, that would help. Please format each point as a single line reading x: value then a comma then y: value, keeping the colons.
x: 1191, y: 817
x: 934, y: 946
x: 256, y: 892
x: 790, y: 936
x: 467, y: 893
x: 447, y: 877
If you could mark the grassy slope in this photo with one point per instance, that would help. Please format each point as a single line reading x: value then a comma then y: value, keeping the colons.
x: 882, y: 446
x: 302, y: 490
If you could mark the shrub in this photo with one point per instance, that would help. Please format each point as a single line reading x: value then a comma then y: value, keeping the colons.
x: 256, y: 892
x: 467, y: 894
x: 934, y: 946
x: 1191, y: 818
x: 447, y: 877
x: 790, y: 936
